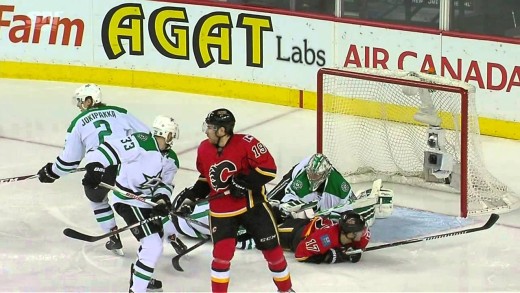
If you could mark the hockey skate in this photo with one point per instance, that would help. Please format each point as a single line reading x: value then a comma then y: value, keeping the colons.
x: 177, y: 244
x: 114, y: 244
x: 154, y: 286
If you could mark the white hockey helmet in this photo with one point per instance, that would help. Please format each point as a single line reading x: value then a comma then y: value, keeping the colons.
x: 318, y: 169
x: 88, y: 90
x: 163, y: 125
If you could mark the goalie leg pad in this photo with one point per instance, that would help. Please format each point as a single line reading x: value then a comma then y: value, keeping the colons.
x: 365, y: 207
x: 385, y: 203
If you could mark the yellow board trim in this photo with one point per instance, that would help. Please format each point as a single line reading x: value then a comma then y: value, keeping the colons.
x: 201, y: 85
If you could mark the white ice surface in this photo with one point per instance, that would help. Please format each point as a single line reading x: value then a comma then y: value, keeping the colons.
x: 36, y: 256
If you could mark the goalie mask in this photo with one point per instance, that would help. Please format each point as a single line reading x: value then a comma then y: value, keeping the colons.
x: 220, y: 118
x: 83, y: 92
x: 351, y: 222
x: 318, y: 169
x: 163, y: 126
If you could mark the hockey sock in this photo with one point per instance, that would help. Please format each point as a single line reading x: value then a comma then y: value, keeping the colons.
x: 104, y: 215
x: 149, y: 252
x: 278, y: 266
x: 223, y: 252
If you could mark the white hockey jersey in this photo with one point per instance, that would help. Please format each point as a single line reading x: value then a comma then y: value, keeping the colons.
x: 89, y: 129
x: 144, y: 169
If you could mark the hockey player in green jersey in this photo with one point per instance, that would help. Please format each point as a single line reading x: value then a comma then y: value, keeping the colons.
x: 141, y: 158
x: 314, y: 187
x: 87, y: 131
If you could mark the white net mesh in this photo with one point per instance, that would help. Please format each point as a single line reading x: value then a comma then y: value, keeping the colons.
x: 373, y: 129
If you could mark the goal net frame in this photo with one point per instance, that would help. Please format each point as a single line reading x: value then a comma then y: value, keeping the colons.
x: 400, y: 78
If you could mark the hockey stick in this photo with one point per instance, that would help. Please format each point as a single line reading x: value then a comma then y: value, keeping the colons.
x: 176, y: 259
x: 80, y: 236
x: 20, y: 178
x: 188, y: 219
x: 490, y: 222
x: 128, y: 194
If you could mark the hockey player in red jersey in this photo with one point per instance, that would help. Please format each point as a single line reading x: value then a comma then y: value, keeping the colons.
x: 233, y: 170
x: 321, y: 240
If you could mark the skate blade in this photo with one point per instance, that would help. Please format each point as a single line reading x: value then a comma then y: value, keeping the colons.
x: 154, y: 290
x: 118, y: 252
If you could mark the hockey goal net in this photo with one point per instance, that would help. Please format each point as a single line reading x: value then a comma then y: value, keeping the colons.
x: 408, y: 128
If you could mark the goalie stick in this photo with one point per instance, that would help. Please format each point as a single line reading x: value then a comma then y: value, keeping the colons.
x: 490, y: 222
x: 20, y: 178
x: 176, y: 259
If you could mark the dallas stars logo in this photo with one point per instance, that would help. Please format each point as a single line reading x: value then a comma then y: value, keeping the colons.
x: 150, y: 182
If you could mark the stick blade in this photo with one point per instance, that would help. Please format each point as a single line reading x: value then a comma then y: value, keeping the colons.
x: 78, y: 235
x: 491, y: 221
x: 175, y: 263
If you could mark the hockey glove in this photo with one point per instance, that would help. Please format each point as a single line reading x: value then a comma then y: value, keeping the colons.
x: 238, y: 187
x: 163, y: 205
x: 94, y: 174
x: 337, y: 255
x: 177, y: 244
x: 244, y: 240
x: 46, y: 175
x: 185, y: 199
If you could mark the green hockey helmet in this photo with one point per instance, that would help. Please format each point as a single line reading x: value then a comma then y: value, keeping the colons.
x: 318, y: 169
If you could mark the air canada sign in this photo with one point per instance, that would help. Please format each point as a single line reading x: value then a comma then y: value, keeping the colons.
x: 169, y: 32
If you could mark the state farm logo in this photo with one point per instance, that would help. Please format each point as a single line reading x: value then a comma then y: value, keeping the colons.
x: 41, y: 27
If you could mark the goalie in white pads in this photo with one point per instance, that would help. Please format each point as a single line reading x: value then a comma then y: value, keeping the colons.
x: 141, y: 160
x: 314, y: 187
x: 87, y: 131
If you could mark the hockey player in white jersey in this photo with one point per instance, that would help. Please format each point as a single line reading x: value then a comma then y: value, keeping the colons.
x: 141, y: 159
x: 87, y: 131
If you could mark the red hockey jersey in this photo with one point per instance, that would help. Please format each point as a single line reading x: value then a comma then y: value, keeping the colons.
x: 322, y: 234
x: 242, y: 154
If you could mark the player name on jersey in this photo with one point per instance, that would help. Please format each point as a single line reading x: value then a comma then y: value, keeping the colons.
x: 98, y: 114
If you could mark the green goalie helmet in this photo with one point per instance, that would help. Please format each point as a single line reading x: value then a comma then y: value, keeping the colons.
x: 318, y: 169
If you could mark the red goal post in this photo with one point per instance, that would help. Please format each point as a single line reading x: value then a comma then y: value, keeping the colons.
x: 408, y: 128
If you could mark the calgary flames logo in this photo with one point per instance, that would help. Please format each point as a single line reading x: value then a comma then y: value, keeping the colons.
x: 220, y: 173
